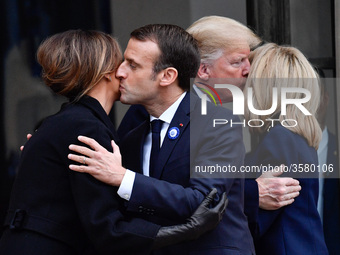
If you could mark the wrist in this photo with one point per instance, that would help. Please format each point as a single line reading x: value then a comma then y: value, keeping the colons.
x: 120, y: 177
x: 117, y: 176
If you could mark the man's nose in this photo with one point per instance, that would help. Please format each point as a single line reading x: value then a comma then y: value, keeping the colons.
x: 246, y: 68
x: 121, y: 74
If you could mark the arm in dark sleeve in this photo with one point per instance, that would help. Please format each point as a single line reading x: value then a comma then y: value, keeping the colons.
x: 251, y: 204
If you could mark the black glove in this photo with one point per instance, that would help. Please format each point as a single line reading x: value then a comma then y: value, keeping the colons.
x: 203, y: 220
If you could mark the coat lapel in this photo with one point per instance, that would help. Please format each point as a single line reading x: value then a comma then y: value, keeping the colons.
x: 98, y: 110
x: 132, y: 147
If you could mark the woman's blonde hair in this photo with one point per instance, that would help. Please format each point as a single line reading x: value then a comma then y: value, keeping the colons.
x: 73, y: 62
x: 216, y: 35
x: 280, y: 66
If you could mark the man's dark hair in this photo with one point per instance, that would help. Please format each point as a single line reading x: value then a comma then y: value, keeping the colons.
x: 178, y: 49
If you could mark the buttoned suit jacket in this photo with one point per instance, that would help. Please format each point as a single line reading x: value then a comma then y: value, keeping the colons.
x: 294, y: 229
x: 66, y: 212
x: 171, y: 195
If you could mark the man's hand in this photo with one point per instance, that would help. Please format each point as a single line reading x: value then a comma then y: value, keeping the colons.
x: 100, y: 163
x: 276, y: 192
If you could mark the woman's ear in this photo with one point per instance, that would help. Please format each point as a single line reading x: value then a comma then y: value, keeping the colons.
x: 108, y: 76
x: 169, y: 75
x: 203, y: 72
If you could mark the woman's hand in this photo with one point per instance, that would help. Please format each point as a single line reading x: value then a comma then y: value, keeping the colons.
x: 28, y: 136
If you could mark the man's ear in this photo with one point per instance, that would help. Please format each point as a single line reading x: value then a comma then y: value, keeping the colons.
x: 203, y: 72
x: 169, y: 75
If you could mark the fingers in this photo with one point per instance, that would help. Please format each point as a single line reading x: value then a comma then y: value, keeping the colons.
x: 80, y: 168
x: 269, y: 202
x: 276, y: 192
x: 292, y: 189
x: 279, y: 170
x: 81, y: 150
x: 90, y: 155
x: 83, y: 169
x: 209, y: 198
x: 80, y: 159
x: 90, y: 142
x: 291, y: 196
x: 284, y: 186
x: 286, y: 197
x: 286, y: 202
x: 115, y: 147
x: 28, y: 136
x: 291, y: 182
x: 283, y: 192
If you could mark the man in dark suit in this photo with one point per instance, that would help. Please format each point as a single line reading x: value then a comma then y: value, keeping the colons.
x: 224, y: 46
x: 156, y: 73
x: 329, y: 187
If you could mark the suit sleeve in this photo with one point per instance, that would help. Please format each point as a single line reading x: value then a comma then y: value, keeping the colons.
x: 99, y: 209
x: 177, y: 201
x: 251, y: 204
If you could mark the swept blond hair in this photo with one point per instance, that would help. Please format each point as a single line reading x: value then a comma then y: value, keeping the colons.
x: 282, y: 66
x: 216, y: 35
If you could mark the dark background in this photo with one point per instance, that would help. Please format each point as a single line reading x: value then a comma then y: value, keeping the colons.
x: 306, y: 24
x: 32, y: 21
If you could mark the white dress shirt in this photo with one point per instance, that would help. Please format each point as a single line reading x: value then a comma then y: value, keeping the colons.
x: 125, y: 188
x: 199, y: 92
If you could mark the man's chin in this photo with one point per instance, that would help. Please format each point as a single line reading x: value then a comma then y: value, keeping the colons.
x: 125, y: 101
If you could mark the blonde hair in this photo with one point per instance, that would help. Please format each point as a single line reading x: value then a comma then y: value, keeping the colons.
x: 280, y: 66
x: 216, y: 35
x: 74, y: 61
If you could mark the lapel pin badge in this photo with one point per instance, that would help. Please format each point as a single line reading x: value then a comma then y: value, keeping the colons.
x: 173, y: 133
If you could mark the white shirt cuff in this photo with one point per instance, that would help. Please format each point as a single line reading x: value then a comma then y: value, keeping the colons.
x: 125, y: 188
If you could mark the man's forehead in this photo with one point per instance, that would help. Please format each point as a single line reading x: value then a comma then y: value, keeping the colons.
x: 242, y: 50
x: 137, y: 49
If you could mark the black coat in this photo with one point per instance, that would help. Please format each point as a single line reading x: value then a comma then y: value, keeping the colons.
x: 54, y: 210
